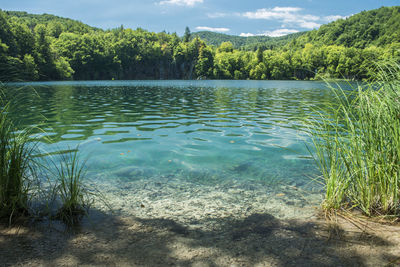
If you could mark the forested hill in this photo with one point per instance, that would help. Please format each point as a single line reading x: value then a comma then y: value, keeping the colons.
x: 47, y: 47
x: 246, y: 43
x: 379, y: 27
x: 56, y: 24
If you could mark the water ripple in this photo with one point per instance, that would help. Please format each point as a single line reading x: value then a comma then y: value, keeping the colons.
x: 178, y: 125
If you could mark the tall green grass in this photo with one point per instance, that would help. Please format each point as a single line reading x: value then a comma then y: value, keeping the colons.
x: 16, y: 166
x: 23, y: 169
x: 73, y: 194
x: 356, y: 145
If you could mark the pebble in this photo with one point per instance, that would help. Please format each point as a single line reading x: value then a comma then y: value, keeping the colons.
x: 186, y: 202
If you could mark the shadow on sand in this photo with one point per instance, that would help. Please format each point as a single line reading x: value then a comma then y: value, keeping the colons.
x: 258, y: 240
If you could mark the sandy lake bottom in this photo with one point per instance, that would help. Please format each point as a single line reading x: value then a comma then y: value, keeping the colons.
x: 171, y: 223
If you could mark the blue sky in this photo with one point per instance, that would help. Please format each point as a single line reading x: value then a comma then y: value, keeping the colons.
x: 245, y: 17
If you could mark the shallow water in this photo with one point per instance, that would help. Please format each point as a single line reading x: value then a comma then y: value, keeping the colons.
x: 182, y: 136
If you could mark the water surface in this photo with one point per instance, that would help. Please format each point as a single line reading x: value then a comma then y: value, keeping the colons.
x: 203, y: 133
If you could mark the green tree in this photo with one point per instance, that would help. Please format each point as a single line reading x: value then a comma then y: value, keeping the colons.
x: 187, y: 35
x: 205, y: 63
x: 31, y: 72
x: 43, y: 56
x: 259, y: 72
x: 225, y: 47
x: 260, y: 55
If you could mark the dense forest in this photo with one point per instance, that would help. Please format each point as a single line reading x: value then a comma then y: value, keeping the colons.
x: 46, y: 47
x: 246, y: 43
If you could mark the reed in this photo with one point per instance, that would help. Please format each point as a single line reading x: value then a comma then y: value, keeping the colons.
x: 356, y: 145
x: 16, y: 166
x: 34, y: 183
x: 74, y: 196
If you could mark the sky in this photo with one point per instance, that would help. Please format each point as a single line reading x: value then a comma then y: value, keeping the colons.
x: 244, y: 17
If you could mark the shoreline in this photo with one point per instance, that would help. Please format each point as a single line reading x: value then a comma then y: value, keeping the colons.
x: 183, y: 224
x: 256, y: 240
x: 204, y: 205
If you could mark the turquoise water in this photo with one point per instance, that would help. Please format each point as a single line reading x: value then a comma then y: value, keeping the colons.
x: 240, y: 129
x: 201, y: 132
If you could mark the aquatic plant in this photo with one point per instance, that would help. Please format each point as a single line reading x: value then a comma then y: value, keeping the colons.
x: 22, y: 191
x: 356, y: 145
x: 16, y: 165
x: 74, y: 196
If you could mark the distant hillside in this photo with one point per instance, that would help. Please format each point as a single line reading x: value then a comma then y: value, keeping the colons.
x: 246, y: 43
x: 64, y: 24
x: 47, y: 47
x: 380, y: 27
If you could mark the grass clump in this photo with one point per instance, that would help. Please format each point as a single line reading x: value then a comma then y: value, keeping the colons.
x: 16, y: 166
x: 356, y: 144
x: 24, y: 191
x: 74, y: 196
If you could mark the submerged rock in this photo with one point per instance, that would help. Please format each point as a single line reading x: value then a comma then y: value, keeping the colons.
x: 243, y: 167
x: 127, y: 172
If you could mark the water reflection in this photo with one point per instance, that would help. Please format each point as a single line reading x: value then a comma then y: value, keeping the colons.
x: 246, y: 130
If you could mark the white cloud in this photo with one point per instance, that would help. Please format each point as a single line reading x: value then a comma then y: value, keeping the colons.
x: 280, y: 13
x: 180, y: 2
x: 309, y: 24
x: 310, y: 17
x: 246, y: 34
x: 333, y: 18
x: 203, y: 28
x: 279, y: 32
x: 275, y: 33
x: 286, y: 9
x: 216, y: 15
x: 290, y: 17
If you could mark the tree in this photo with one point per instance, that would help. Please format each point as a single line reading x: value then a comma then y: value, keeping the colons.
x: 225, y: 47
x: 204, y: 66
x: 259, y: 72
x: 6, y: 35
x: 260, y: 55
x: 64, y: 70
x: 49, y: 47
x: 31, y: 72
x: 43, y: 56
x: 187, y: 35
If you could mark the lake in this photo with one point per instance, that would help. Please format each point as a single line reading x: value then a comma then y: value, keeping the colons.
x: 191, y: 150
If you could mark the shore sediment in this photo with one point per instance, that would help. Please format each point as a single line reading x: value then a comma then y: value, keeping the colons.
x: 169, y: 222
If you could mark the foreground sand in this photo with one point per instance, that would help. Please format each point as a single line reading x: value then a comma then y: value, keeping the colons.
x: 161, y: 222
x: 256, y: 240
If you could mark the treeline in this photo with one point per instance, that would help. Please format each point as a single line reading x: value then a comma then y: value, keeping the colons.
x: 379, y: 27
x: 250, y: 43
x: 46, y: 47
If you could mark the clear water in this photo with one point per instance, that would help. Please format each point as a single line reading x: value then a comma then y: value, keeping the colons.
x: 203, y: 133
